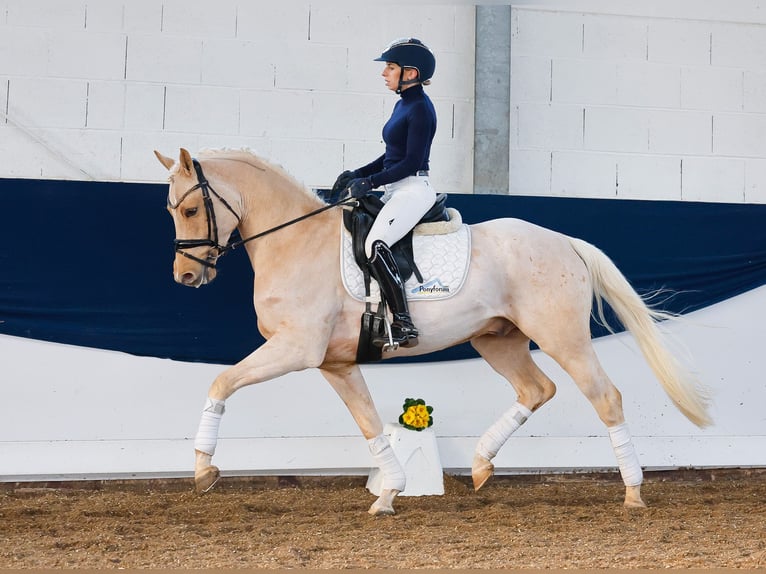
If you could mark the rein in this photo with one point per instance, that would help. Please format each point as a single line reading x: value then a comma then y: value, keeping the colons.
x: 212, y: 227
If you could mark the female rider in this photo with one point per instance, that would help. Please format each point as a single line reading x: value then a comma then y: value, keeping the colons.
x: 402, y: 171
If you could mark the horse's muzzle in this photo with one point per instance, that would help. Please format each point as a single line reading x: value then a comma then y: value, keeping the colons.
x: 194, y: 272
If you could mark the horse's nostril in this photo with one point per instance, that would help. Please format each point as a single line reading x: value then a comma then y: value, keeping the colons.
x: 188, y: 278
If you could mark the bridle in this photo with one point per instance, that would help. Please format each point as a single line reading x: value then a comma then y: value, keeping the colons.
x: 181, y: 245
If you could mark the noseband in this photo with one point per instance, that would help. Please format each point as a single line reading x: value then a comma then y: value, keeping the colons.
x: 212, y: 226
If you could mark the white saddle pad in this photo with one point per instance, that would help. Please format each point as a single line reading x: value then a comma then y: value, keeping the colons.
x: 442, y: 253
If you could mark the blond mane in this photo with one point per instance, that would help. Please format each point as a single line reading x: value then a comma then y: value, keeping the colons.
x: 250, y: 157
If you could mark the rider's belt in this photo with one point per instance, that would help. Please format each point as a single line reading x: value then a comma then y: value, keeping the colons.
x: 422, y: 173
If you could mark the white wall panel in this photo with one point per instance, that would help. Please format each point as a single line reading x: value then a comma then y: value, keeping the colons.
x: 754, y: 98
x: 678, y: 41
x: 615, y: 129
x: 23, y: 51
x: 262, y: 113
x: 556, y: 126
x: 3, y: 100
x: 62, y: 15
x: 739, y: 46
x: 199, y: 18
x: 308, y: 66
x: 755, y: 181
x: 531, y: 170
x: 273, y: 23
x: 142, y: 16
x: 164, y: 59
x: 235, y: 63
x: 47, y: 102
x: 656, y: 80
x: 646, y: 84
x: 87, y: 55
x: 650, y: 177
x: 739, y: 135
x: 105, y: 16
x: 713, y: 179
x: 546, y: 34
x: 144, y: 106
x: 614, y: 37
x: 530, y: 78
x: 720, y: 89
x: 584, y: 174
x: 105, y: 105
x: 202, y: 110
x: 346, y: 117
x: 583, y: 81
x: 680, y: 132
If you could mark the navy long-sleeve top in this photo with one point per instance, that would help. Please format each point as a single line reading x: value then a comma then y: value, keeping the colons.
x: 408, y: 135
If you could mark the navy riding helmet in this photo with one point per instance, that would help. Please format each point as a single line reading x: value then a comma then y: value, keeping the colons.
x: 411, y: 53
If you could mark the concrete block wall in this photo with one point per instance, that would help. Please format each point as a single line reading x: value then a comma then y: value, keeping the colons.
x: 652, y: 103
x: 89, y: 89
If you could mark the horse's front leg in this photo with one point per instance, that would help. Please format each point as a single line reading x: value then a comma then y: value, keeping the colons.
x: 348, y: 382
x: 276, y: 357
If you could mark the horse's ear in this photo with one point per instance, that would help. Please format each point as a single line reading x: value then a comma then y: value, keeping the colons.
x: 186, y: 161
x: 164, y: 160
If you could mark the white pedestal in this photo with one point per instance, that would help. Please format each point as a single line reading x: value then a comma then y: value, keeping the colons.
x: 418, y: 454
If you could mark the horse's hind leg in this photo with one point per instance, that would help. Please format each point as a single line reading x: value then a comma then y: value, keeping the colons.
x: 582, y: 364
x: 348, y: 382
x: 509, y: 355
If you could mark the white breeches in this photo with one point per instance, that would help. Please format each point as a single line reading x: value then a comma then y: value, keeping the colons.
x: 406, y: 201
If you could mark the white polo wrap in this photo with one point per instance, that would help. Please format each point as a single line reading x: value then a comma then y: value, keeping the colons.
x: 497, y: 435
x: 627, y: 460
x: 394, y: 477
x: 207, y: 434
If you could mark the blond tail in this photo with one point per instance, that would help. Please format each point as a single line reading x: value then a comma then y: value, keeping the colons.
x: 609, y: 284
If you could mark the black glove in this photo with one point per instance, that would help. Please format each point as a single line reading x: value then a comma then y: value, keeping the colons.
x: 360, y: 186
x: 343, y: 180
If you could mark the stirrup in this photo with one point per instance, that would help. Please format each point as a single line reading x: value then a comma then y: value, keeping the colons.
x: 388, y: 343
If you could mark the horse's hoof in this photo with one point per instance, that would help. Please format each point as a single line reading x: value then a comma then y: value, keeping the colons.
x: 481, y: 471
x: 206, y: 478
x: 633, y: 497
x: 381, y: 510
x: 384, y: 505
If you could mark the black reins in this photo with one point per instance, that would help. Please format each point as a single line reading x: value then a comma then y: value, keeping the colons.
x: 212, y: 226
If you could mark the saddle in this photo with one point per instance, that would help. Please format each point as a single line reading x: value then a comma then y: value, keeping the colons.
x: 359, y: 220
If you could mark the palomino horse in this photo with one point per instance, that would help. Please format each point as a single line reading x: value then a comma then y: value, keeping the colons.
x: 525, y: 283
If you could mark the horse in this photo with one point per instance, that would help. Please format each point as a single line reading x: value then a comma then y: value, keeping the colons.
x: 525, y: 283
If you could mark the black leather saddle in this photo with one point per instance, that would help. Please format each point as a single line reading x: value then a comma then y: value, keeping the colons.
x: 359, y: 220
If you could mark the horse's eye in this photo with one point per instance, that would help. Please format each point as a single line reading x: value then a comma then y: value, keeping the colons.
x: 190, y: 212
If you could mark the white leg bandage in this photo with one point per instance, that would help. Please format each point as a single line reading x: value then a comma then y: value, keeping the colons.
x: 394, y: 477
x: 496, y: 436
x: 627, y: 460
x: 207, y: 434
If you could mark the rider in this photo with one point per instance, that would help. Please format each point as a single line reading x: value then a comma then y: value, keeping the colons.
x: 403, y: 172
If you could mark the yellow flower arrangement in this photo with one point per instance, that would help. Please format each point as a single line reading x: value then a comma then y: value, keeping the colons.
x: 416, y: 415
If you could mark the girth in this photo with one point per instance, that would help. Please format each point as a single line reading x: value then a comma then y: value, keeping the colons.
x: 359, y: 220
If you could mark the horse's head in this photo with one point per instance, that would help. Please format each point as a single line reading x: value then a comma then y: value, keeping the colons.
x: 203, y: 220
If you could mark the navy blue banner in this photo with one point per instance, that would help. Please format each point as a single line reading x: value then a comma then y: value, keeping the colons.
x: 90, y: 264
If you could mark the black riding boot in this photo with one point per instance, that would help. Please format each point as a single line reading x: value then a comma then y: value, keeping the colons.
x: 385, y: 270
